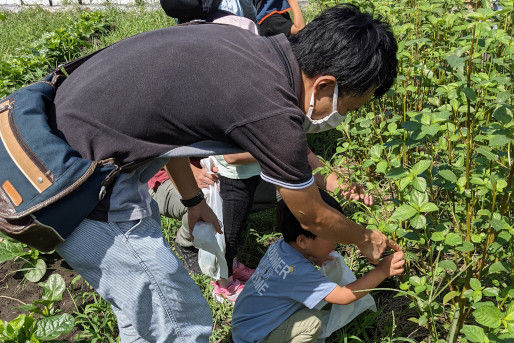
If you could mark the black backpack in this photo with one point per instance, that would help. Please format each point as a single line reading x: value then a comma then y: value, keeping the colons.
x: 187, y: 10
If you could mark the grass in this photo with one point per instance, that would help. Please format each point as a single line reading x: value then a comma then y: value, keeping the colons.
x: 16, y: 29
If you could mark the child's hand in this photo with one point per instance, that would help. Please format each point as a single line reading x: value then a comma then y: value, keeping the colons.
x: 392, y: 264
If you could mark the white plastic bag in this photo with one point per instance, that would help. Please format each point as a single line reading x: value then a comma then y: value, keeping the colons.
x: 211, y: 245
x: 340, y: 315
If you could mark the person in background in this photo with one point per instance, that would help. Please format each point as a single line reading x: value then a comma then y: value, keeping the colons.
x: 273, y: 17
x: 278, y: 303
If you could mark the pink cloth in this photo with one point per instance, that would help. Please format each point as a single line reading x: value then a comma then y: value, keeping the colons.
x: 157, y: 179
x: 162, y: 176
x: 235, y: 20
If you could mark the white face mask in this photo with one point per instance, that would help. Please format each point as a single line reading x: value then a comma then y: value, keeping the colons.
x: 329, y: 122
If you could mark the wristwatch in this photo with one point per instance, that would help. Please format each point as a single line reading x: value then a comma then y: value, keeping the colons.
x: 194, y: 200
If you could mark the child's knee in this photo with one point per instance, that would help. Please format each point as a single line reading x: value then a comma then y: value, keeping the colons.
x: 308, y: 325
x: 314, y: 323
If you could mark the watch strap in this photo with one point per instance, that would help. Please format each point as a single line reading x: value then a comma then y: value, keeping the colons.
x: 194, y: 200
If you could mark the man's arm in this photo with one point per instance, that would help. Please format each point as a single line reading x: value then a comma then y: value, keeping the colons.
x: 240, y: 158
x: 298, y: 20
x: 322, y: 220
x: 180, y: 173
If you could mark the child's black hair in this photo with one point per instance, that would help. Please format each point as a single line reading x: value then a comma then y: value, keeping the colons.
x: 290, y: 227
x: 355, y: 48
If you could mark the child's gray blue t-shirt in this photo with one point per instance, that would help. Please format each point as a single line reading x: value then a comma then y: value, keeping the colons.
x: 283, y: 283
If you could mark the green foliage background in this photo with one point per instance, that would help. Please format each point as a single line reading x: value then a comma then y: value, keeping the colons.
x: 436, y: 152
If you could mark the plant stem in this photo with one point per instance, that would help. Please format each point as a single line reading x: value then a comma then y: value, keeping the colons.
x: 18, y: 300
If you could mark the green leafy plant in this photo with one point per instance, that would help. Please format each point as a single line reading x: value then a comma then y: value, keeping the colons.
x: 437, y: 154
x: 34, y: 268
x: 60, y: 45
x: 44, y: 322
x: 95, y: 319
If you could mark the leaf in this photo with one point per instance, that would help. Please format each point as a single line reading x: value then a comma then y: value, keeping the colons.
x: 455, y: 61
x: 487, y: 153
x: 503, y: 114
x: 404, y: 212
x: 470, y: 94
x: 29, y: 308
x: 53, y: 288
x: 405, y: 182
x: 453, y: 239
x: 475, y: 284
x: 49, y: 328
x: 474, y: 333
x: 420, y: 167
x: 429, y: 207
x: 449, y: 296
x: 9, y: 250
x: 381, y: 167
x: 509, y: 315
x: 36, y: 272
x: 491, y: 292
x: 397, y: 173
x: 448, y: 175
x: 497, y: 267
x: 498, y: 224
x: 498, y: 141
x: 375, y: 151
x: 488, y: 316
x: 418, y: 222
x: 466, y: 247
x: 418, y: 198
x: 415, y: 280
x: 410, y: 256
x: 419, y: 184
x: 437, y: 236
x: 431, y: 130
x: 448, y: 264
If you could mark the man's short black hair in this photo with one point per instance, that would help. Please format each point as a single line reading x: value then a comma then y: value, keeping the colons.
x: 355, y: 48
x: 290, y: 227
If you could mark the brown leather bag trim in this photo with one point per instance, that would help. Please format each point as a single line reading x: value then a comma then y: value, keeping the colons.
x: 31, y: 232
x: 13, y: 194
x: 27, y: 229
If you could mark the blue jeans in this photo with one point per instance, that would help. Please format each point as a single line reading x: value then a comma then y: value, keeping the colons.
x: 132, y: 267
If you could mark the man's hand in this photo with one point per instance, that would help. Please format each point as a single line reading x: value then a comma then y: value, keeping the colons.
x: 202, y: 212
x: 374, y: 245
x: 203, y: 178
x: 357, y: 192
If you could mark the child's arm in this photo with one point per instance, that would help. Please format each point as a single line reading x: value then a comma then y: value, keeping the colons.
x: 240, y: 158
x: 389, y: 266
x: 298, y: 21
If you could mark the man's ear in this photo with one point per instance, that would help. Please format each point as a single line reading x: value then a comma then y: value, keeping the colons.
x: 324, y: 83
